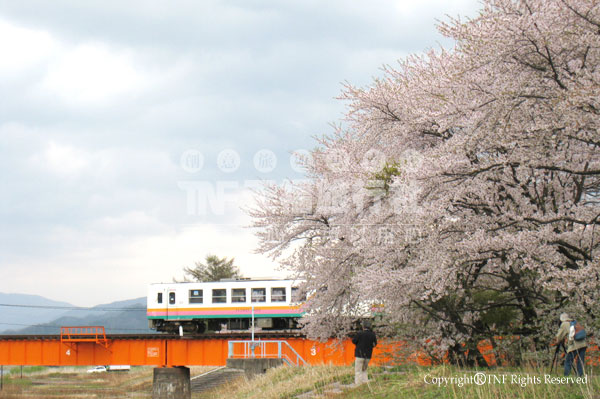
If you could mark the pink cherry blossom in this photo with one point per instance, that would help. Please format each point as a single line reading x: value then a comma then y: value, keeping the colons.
x: 484, y: 219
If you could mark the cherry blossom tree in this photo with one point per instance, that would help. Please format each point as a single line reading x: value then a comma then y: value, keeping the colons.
x: 462, y: 191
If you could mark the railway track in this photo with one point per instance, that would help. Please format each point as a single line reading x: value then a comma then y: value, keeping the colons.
x: 240, y: 335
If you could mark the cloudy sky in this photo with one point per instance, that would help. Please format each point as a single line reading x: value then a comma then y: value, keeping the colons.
x: 130, y: 131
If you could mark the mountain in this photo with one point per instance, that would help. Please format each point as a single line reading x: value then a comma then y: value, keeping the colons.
x: 108, y: 308
x: 19, y: 310
x: 121, y: 317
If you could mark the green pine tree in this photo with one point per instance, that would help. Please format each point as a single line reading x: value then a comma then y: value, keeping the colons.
x: 213, y: 269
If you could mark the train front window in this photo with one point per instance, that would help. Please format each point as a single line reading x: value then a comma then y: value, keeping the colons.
x: 278, y: 294
x: 171, y: 298
x: 159, y: 298
x: 219, y: 296
x: 259, y: 295
x: 195, y: 296
x: 238, y: 295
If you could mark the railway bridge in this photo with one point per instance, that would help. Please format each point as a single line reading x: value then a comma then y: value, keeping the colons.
x: 169, y: 354
x: 86, y: 346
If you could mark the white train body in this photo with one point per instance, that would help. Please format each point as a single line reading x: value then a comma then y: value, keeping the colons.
x: 213, y: 306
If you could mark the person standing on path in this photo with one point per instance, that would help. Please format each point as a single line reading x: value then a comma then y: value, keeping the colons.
x: 365, y: 341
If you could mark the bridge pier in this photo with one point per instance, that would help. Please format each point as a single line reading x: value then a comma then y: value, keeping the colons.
x: 171, y: 383
x: 254, y: 366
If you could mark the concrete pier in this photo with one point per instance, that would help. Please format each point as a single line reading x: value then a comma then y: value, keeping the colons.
x: 254, y: 365
x: 171, y: 383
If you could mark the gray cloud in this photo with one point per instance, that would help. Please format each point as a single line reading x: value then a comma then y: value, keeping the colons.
x: 101, y: 99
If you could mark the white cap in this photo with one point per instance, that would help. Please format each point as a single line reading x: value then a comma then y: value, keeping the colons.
x: 565, y: 317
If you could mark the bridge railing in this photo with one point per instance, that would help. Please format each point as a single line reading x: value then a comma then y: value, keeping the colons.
x: 95, y: 334
x: 266, y: 350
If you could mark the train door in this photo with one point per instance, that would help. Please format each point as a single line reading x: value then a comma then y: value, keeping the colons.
x: 171, y: 304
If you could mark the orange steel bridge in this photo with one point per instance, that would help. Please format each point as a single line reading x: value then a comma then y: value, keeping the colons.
x: 85, y: 346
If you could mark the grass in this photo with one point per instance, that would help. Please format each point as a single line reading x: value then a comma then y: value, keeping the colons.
x: 27, y: 370
x: 407, y: 382
x: 445, y: 382
x: 76, y: 383
x: 282, y: 383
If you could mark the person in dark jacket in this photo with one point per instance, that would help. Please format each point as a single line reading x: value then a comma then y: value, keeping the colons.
x: 365, y: 341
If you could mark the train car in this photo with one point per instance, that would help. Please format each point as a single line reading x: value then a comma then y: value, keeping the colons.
x: 223, y: 305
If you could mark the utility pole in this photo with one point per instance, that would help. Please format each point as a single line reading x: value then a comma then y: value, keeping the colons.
x: 252, y: 323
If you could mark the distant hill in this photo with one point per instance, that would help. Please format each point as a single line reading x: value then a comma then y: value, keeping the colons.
x: 108, y: 308
x: 122, y: 317
x: 19, y: 310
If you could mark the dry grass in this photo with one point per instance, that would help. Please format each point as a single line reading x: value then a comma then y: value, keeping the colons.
x: 522, y: 383
x: 294, y: 382
x: 76, y: 383
x: 406, y: 382
x: 282, y: 382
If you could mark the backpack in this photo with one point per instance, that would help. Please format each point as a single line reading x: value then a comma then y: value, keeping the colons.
x: 576, y: 331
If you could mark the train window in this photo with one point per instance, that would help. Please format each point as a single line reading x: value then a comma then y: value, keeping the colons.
x: 278, y: 294
x: 159, y: 298
x: 259, y: 295
x: 238, y: 295
x: 171, y: 298
x: 195, y: 296
x: 219, y: 296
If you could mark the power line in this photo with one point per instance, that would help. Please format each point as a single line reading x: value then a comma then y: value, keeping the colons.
x: 30, y: 325
x: 132, y: 309
x: 52, y: 326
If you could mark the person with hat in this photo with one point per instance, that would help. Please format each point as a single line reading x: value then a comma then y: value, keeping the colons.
x: 575, y: 349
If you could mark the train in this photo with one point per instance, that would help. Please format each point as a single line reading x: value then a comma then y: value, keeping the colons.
x: 199, y: 307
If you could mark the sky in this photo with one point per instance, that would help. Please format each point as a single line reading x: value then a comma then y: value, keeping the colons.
x: 132, y: 133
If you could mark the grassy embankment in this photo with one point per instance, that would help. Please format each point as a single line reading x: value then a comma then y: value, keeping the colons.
x: 407, y: 382
x: 308, y: 382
